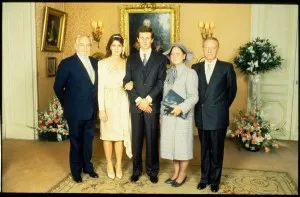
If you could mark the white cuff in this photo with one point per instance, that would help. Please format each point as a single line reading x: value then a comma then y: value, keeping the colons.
x: 138, y: 99
x: 149, y: 99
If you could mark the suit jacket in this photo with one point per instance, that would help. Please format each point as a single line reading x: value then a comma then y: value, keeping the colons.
x: 215, y: 98
x: 147, y: 80
x: 75, y: 90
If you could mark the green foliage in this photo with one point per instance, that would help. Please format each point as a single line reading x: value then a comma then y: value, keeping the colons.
x: 258, y: 56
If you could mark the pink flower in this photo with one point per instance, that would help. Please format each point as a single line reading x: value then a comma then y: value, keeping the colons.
x: 56, y: 121
x: 40, y: 122
x: 44, y: 127
x: 50, y: 121
x: 255, y: 124
x: 251, y: 118
x: 267, y: 149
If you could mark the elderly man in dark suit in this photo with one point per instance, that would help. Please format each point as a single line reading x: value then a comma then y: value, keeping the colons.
x: 147, y: 70
x: 76, y: 88
x: 217, y: 90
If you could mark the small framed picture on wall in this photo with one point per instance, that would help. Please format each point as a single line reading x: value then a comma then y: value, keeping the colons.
x: 51, y: 66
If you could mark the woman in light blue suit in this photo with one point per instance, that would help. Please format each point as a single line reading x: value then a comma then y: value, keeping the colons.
x: 176, y: 142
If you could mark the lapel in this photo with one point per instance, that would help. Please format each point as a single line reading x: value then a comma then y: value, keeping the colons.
x: 150, y: 64
x: 213, y: 78
x: 84, y: 71
x: 203, y: 84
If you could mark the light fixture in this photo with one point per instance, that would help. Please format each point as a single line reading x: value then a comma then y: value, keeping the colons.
x: 97, y: 31
x: 206, y: 29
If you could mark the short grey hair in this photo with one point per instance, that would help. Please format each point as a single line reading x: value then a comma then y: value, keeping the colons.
x: 210, y: 38
x: 83, y: 35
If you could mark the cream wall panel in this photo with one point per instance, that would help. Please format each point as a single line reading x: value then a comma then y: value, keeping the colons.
x: 19, y: 70
x: 278, y: 23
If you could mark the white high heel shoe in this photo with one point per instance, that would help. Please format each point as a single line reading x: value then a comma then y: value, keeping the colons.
x: 110, y: 174
x: 119, y: 173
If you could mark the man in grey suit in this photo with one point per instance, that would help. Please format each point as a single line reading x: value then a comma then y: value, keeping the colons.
x: 217, y: 90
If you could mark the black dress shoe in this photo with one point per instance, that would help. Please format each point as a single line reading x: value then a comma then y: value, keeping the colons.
x: 93, y: 174
x: 176, y: 184
x: 154, y: 179
x: 77, y: 179
x: 134, y: 178
x: 201, y: 186
x: 214, y: 188
x: 169, y: 181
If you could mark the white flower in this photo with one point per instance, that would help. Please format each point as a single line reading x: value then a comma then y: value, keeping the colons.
x: 252, y: 65
x: 268, y: 136
x: 260, y: 139
x: 247, y: 145
x: 250, y: 49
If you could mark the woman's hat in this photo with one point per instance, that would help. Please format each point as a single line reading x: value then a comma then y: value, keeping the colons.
x: 189, y: 54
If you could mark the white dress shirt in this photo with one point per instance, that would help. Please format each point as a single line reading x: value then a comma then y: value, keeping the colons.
x: 88, y: 66
x: 209, y: 68
x: 148, y: 53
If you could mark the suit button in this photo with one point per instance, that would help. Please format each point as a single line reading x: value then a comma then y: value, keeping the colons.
x: 202, y: 105
x: 145, y: 84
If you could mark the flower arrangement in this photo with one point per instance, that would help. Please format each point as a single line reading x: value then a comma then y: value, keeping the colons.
x: 51, y: 125
x: 252, y: 131
x: 258, y: 56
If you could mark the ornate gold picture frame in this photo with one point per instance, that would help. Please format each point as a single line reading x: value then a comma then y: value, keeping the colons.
x: 53, y: 30
x: 162, y: 18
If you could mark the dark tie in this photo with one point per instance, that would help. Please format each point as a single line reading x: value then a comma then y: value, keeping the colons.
x: 144, y: 59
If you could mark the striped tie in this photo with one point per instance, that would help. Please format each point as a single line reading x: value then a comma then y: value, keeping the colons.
x: 144, y: 60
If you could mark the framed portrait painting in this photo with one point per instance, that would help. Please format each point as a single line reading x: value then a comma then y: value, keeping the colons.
x: 53, y: 30
x: 51, y: 66
x: 163, y: 19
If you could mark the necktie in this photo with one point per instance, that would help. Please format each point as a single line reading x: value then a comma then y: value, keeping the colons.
x: 144, y: 59
x: 90, y: 70
x: 208, y: 74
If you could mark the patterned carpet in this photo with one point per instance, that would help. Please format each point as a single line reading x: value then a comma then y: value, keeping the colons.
x: 233, y: 181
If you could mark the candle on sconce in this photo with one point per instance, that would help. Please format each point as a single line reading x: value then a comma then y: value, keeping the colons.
x: 212, y: 25
x: 206, y: 26
x: 94, y: 24
x: 100, y: 24
x: 201, y: 25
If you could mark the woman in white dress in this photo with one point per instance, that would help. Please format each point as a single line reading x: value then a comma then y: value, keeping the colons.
x: 115, y: 123
x: 176, y: 133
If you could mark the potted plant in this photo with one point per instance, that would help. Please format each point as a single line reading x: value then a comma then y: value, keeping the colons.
x: 252, y: 131
x: 257, y: 56
x: 51, y: 125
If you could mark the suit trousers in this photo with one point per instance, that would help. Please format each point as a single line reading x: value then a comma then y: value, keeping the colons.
x: 81, y: 145
x: 145, y: 123
x: 212, y: 152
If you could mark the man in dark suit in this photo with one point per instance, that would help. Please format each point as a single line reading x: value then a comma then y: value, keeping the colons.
x: 147, y: 70
x: 76, y: 88
x: 217, y: 90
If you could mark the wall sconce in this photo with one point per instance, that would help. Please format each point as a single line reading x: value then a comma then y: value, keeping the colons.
x: 206, y: 29
x: 97, y: 31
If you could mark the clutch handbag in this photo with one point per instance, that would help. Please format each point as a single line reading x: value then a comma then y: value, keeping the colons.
x: 172, y: 98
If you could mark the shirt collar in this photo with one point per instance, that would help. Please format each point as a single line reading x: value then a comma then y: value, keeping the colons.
x: 212, y: 63
x: 82, y: 57
x: 148, y: 52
